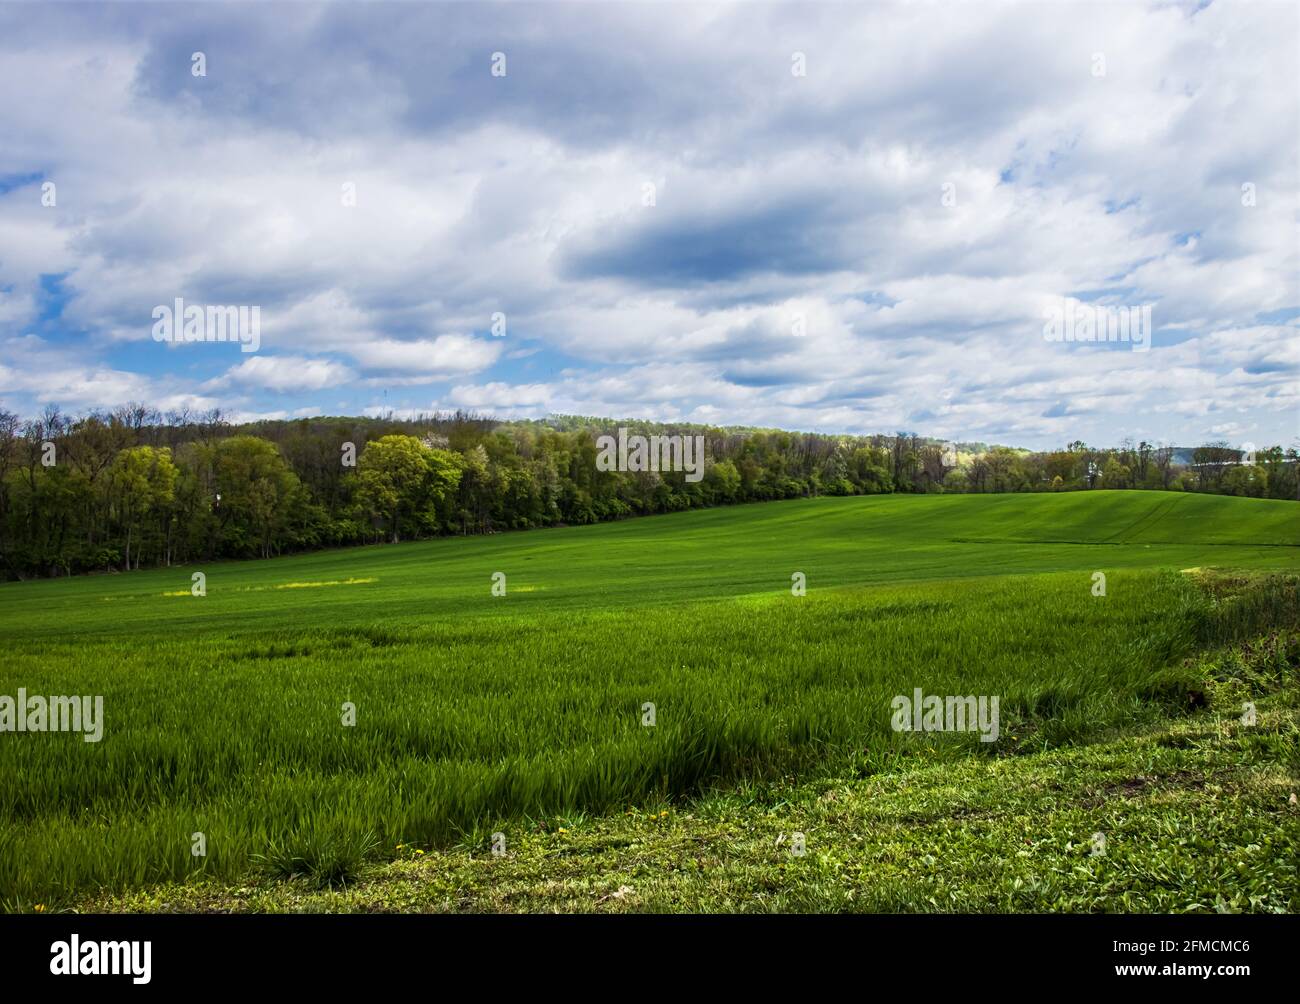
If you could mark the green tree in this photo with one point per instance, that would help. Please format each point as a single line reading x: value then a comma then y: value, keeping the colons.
x: 1115, y: 474
x: 142, y: 483
x: 1246, y: 479
x: 258, y: 496
x: 401, y: 477
x: 723, y: 480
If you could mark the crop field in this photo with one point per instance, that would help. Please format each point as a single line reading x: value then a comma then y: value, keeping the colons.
x: 626, y: 665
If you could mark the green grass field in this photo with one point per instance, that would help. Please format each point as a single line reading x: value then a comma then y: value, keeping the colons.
x: 478, y: 713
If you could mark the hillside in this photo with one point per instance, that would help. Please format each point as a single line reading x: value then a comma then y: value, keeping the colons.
x: 716, y: 553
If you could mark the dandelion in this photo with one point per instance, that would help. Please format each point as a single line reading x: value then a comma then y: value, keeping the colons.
x: 40, y: 907
x: 563, y: 830
x: 418, y: 851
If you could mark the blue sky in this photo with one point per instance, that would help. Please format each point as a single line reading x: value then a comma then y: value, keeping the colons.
x: 676, y: 223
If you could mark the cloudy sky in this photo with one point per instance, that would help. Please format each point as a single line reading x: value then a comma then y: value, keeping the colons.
x: 832, y: 217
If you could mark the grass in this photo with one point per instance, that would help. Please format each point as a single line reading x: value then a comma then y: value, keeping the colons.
x: 477, y: 713
x: 1196, y: 815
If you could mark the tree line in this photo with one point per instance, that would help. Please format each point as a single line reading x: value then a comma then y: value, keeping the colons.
x: 131, y: 488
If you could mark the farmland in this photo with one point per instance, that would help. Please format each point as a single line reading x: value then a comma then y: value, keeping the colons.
x: 478, y: 713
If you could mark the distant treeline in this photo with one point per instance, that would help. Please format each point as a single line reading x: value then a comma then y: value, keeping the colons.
x: 132, y: 488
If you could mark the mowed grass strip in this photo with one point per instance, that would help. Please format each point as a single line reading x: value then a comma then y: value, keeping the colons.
x: 226, y: 720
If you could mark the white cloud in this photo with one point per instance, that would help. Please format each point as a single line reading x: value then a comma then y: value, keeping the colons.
x: 284, y: 373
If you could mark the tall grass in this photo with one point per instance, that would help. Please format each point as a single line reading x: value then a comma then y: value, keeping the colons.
x: 466, y: 725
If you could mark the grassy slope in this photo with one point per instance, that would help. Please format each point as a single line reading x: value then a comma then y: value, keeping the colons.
x: 1196, y: 815
x: 223, y: 706
x: 723, y: 553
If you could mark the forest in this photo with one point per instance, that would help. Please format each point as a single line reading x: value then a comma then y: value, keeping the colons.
x: 131, y: 488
